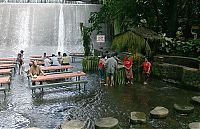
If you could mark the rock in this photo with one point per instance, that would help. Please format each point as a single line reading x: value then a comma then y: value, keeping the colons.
x: 33, y: 128
x: 185, y: 109
x: 73, y: 124
x: 194, y: 125
x: 106, y: 123
x: 159, y: 112
x: 138, y: 118
x: 196, y: 99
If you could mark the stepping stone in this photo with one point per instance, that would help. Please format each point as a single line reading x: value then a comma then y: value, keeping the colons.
x: 73, y: 124
x: 196, y: 99
x: 106, y: 123
x: 194, y: 125
x: 159, y: 112
x: 33, y: 128
x: 185, y: 109
x: 138, y: 118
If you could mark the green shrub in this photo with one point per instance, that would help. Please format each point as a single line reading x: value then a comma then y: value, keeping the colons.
x: 178, y: 48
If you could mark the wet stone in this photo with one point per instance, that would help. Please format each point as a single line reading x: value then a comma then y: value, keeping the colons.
x: 185, y: 109
x: 196, y: 99
x: 159, y: 112
x: 106, y: 123
x: 194, y: 125
x: 73, y: 124
x: 138, y: 118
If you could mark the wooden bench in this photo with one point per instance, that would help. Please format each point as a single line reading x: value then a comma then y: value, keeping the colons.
x: 33, y: 88
x: 52, y: 77
x: 7, y: 62
x: 6, y: 72
x: 39, y: 56
x: 37, y: 59
x: 7, y: 59
x: 53, y: 68
x: 75, y: 55
x: 4, y: 80
x: 8, y: 66
x: 49, y: 70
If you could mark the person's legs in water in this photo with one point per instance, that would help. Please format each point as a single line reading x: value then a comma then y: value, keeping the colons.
x: 112, y: 80
x: 146, y: 76
x: 107, y: 79
x: 20, y: 69
x: 101, y: 75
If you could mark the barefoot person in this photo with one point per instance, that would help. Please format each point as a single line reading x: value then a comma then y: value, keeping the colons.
x: 111, y: 66
x: 101, y: 68
x: 128, y: 62
x: 35, y: 71
x: 146, y: 66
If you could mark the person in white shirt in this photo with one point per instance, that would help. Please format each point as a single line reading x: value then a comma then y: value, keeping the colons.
x: 59, y: 56
x: 54, y: 61
x: 47, y: 62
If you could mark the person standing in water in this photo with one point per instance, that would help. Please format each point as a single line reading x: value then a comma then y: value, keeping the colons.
x: 146, y: 66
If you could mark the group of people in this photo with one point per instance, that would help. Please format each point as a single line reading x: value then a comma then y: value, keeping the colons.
x: 56, y: 60
x: 108, y: 66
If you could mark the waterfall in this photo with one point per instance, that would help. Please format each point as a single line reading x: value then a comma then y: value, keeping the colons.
x: 61, y: 31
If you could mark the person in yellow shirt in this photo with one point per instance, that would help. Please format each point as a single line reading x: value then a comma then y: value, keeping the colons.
x: 65, y: 59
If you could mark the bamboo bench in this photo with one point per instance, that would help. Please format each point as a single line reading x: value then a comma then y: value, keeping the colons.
x: 52, y: 77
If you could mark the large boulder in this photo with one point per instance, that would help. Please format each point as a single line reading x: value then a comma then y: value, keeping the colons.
x: 196, y: 99
x: 159, y: 112
x: 185, y: 109
x: 106, y: 123
x: 73, y: 124
x: 194, y: 125
x: 138, y: 118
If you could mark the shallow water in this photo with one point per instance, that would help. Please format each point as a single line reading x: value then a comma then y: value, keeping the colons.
x: 19, y: 110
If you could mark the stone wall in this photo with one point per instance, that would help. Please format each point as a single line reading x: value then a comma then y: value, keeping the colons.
x: 179, y: 60
x: 184, y: 75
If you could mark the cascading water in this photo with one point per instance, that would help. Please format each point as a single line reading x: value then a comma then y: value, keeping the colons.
x: 61, y: 31
x: 39, y: 28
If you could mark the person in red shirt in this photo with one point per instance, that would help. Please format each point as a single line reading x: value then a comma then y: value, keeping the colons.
x: 146, y: 66
x: 128, y: 62
x: 101, y: 68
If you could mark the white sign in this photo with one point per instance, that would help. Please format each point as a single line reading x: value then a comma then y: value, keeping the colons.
x: 100, y: 38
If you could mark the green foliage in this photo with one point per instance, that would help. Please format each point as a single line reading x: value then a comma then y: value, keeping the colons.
x: 159, y: 15
x: 85, y: 31
x: 190, y: 48
x: 130, y: 41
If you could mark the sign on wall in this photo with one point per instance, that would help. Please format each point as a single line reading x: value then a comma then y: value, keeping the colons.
x: 100, y: 38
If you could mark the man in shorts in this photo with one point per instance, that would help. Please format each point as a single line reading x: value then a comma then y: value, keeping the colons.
x: 111, y: 66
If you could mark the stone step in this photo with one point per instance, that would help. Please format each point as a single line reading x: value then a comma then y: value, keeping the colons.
x: 159, y: 112
x: 185, y: 109
x: 194, y: 125
x: 138, y: 118
x: 106, y: 123
x: 73, y: 124
x: 196, y: 99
